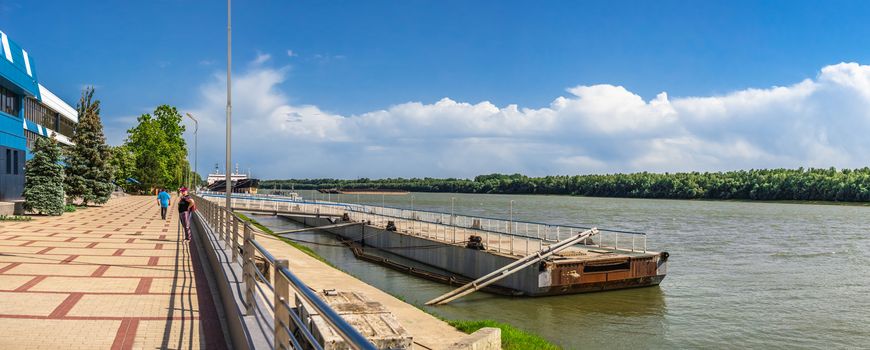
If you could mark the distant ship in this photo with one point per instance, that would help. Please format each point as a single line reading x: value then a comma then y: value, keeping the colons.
x: 242, y: 183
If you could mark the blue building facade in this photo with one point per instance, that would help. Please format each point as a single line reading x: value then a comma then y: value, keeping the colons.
x: 27, y: 111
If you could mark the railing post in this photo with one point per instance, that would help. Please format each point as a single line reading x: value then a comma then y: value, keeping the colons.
x: 228, y: 223
x: 235, y: 244
x: 248, y: 267
x: 282, y: 293
x: 220, y: 223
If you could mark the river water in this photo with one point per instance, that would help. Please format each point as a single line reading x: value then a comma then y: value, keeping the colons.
x: 741, y: 274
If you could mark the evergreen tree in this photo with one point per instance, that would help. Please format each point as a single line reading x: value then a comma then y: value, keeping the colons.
x: 43, y: 178
x: 88, y: 172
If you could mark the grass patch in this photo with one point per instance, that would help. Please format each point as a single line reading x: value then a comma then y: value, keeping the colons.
x: 15, y: 218
x: 303, y: 248
x: 69, y: 208
x: 512, y: 338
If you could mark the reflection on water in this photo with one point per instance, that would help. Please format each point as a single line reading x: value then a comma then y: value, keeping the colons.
x: 756, y: 275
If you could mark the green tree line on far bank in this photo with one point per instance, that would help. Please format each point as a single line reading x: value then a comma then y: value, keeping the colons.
x: 845, y: 185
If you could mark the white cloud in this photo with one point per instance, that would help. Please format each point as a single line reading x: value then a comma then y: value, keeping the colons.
x: 261, y: 58
x: 290, y: 53
x: 600, y: 128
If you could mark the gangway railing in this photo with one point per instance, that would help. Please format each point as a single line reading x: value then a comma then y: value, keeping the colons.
x: 450, y: 227
x: 244, y: 248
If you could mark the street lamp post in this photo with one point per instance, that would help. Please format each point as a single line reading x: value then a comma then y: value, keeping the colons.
x: 195, y: 150
x: 229, y: 181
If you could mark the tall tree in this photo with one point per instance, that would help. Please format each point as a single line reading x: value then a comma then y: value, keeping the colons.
x: 123, y: 164
x: 43, y: 178
x: 88, y: 173
x: 158, y: 148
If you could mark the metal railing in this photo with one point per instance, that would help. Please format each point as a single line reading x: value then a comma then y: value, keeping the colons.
x: 449, y: 227
x: 290, y: 326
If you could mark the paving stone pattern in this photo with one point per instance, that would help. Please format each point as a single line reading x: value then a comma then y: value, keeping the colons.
x: 110, y: 277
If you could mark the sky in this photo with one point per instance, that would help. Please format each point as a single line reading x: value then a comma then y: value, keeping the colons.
x: 349, y: 89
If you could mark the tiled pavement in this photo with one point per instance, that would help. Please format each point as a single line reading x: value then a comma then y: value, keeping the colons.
x: 110, y: 277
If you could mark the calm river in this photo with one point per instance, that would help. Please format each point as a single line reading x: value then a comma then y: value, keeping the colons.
x: 758, y: 275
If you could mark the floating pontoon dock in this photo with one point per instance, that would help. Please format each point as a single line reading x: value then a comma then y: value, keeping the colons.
x: 474, y: 247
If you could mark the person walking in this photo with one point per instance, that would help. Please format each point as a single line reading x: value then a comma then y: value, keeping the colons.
x: 186, y: 206
x: 163, y: 202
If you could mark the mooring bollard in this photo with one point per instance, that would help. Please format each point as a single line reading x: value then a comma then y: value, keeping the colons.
x: 248, y: 268
x: 282, y: 293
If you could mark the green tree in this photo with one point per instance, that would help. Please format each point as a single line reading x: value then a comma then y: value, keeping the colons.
x: 158, y: 148
x: 123, y: 164
x: 88, y: 173
x: 43, y: 178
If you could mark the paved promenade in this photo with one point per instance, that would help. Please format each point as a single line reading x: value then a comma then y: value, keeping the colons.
x: 110, y: 277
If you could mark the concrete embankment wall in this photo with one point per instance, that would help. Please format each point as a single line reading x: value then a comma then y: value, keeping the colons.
x: 455, y: 258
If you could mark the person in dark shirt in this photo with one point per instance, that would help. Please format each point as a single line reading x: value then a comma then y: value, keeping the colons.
x: 186, y: 206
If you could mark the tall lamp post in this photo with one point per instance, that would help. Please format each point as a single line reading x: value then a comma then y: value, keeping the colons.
x: 229, y: 181
x: 195, y: 153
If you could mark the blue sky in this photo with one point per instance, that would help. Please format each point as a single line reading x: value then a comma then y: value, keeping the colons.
x: 351, y: 59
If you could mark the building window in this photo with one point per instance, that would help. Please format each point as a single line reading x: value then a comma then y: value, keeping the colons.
x: 31, y: 139
x: 8, y: 161
x: 66, y: 127
x: 9, y: 101
x: 15, y: 160
x: 38, y: 113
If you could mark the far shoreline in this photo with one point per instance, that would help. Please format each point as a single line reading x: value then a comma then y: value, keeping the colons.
x: 737, y: 200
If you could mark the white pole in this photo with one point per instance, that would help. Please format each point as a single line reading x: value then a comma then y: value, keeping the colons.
x: 229, y: 182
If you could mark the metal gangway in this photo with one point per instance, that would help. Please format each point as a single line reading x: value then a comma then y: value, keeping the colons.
x: 511, y: 268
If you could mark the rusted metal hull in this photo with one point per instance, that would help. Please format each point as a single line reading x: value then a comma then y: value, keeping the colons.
x: 602, y: 286
x: 570, y: 276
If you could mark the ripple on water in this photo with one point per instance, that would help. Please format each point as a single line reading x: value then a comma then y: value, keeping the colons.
x: 756, y: 275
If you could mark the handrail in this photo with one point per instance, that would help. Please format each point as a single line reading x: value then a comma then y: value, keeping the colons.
x: 539, y: 234
x: 277, y: 198
x: 225, y: 224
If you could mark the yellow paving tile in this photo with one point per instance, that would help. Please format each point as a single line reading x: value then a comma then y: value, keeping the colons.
x: 138, y: 305
x: 18, y: 250
x: 146, y: 271
x: 86, y: 285
x: 59, y: 244
x: 111, y: 260
x: 149, y: 252
x: 12, y: 282
x: 82, y: 251
x: 57, y: 334
x: 31, y: 258
x: 150, y: 335
x: 33, y: 304
x: 45, y: 269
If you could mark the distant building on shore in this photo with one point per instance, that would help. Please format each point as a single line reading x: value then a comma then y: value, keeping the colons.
x: 27, y: 110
